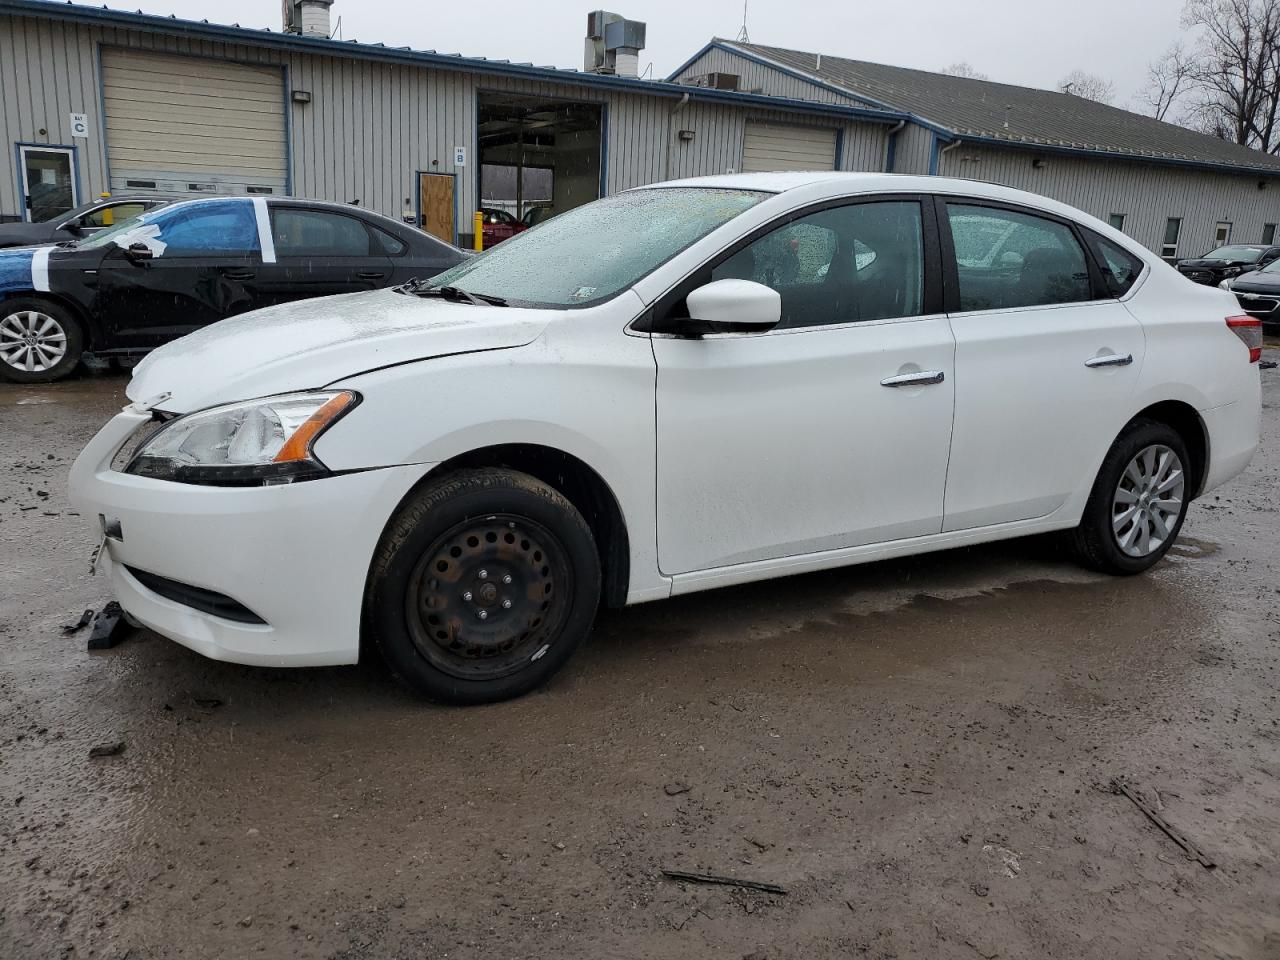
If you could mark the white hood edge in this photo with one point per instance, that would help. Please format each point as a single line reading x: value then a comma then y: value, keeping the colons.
x: 310, y: 344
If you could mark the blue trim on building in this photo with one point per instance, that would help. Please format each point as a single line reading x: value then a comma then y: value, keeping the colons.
x: 840, y: 148
x: 340, y: 48
x: 604, y: 149
x: 891, y: 151
x: 102, y: 116
x: 288, y: 132
x: 933, y: 156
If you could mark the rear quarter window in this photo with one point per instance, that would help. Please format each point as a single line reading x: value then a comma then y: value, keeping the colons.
x: 1120, y: 268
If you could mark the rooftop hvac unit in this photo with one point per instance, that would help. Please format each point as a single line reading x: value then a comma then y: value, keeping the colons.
x: 613, y: 44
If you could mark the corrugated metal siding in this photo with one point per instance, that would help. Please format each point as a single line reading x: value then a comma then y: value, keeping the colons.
x: 370, y: 126
x: 1146, y: 194
x: 913, y: 150
x: 759, y: 78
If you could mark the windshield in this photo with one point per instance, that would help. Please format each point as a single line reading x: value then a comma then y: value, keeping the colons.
x: 1238, y: 253
x: 591, y: 252
x: 106, y: 236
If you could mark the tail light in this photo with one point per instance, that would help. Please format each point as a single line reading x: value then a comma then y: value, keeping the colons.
x: 1249, y: 330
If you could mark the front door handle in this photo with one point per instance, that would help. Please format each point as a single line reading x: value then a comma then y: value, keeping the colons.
x: 372, y: 274
x: 1114, y: 360
x: 922, y: 379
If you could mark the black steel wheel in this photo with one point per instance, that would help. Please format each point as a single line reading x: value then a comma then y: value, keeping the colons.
x: 484, y: 584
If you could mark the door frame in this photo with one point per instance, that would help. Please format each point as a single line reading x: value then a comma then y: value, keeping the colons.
x: 19, y: 153
x: 417, y: 199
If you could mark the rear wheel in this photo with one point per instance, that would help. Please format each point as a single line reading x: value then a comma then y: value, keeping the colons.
x: 1138, y: 502
x: 40, y: 340
x: 484, y: 584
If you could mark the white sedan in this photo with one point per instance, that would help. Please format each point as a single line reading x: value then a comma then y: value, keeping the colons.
x: 679, y: 387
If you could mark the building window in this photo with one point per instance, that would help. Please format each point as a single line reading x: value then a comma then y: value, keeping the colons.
x: 1222, y: 233
x: 1117, y: 221
x: 1268, y: 233
x: 1172, y: 227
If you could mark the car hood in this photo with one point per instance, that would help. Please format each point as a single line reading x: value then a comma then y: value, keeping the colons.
x: 312, y: 343
x: 1212, y: 264
x: 1256, y: 282
x: 21, y: 234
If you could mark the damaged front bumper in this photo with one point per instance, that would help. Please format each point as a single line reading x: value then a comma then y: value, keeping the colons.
x: 295, y: 555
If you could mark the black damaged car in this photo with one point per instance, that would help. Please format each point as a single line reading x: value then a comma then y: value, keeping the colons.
x: 1227, y: 262
x: 1259, y: 294
x: 149, y: 280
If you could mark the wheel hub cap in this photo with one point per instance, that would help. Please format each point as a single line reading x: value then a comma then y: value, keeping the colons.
x: 1148, y: 501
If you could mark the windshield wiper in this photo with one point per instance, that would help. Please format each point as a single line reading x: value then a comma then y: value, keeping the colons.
x: 419, y: 288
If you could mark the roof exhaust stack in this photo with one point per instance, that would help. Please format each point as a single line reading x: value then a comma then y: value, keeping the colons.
x: 307, y: 18
x: 613, y: 44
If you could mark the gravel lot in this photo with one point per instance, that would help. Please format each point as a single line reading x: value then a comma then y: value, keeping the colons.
x: 919, y: 751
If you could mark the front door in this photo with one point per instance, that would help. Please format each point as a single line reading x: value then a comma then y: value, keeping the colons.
x: 200, y: 262
x: 436, y: 205
x: 830, y: 431
x: 48, y: 178
x: 1043, y: 369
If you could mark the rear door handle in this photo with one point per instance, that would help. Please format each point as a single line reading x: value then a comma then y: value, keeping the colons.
x: 922, y: 379
x: 1114, y: 360
x: 238, y: 274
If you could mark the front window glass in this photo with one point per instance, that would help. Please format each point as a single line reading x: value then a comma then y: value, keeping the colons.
x: 1236, y: 252
x: 110, y: 216
x: 591, y: 252
x: 860, y: 262
x: 1007, y: 259
x: 197, y: 228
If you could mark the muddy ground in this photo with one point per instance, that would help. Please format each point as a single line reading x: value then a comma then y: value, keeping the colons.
x: 919, y: 751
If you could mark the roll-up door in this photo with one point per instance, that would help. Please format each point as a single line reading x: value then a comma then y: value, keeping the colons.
x: 191, y: 125
x: 773, y: 146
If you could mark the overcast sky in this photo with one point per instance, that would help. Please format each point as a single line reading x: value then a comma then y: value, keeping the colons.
x: 1027, y: 42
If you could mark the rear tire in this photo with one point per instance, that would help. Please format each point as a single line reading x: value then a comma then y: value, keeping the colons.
x: 484, y: 584
x: 1138, y: 502
x: 40, y: 340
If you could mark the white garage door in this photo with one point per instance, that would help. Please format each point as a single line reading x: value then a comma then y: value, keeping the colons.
x: 190, y: 125
x: 771, y: 146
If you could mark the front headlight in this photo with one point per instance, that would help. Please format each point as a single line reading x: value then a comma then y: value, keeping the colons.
x: 255, y: 442
x: 1233, y: 271
x: 1225, y: 285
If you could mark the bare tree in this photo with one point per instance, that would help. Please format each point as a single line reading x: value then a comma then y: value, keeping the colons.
x: 1169, y: 80
x: 964, y: 69
x: 1088, y: 85
x: 1234, y: 70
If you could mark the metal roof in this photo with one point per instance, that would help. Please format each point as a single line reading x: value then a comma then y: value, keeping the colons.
x: 204, y: 30
x: 1000, y: 113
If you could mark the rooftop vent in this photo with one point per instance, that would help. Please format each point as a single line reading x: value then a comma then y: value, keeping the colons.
x: 613, y: 44
x: 308, y: 18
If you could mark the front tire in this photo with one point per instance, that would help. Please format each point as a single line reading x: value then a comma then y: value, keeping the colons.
x: 1138, y: 502
x: 484, y: 584
x: 40, y: 341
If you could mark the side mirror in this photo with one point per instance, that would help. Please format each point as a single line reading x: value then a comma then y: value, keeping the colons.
x: 138, y: 252
x: 732, y: 306
x: 74, y: 227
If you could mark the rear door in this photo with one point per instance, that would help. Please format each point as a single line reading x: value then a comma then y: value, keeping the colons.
x: 319, y: 252
x: 1046, y: 359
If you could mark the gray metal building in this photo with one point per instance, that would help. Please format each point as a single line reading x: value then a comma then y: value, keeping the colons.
x: 1176, y: 191
x: 94, y: 100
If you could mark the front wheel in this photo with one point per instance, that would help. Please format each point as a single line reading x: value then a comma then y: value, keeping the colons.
x: 40, y: 341
x: 484, y: 584
x: 1138, y: 501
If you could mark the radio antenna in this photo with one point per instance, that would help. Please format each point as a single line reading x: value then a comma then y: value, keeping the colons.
x: 742, y: 34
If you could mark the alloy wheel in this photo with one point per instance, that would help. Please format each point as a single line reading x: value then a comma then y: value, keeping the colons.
x: 1148, y: 501
x: 31, y: 341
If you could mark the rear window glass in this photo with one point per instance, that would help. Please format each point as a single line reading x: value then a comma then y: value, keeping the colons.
x: 317, y: 233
